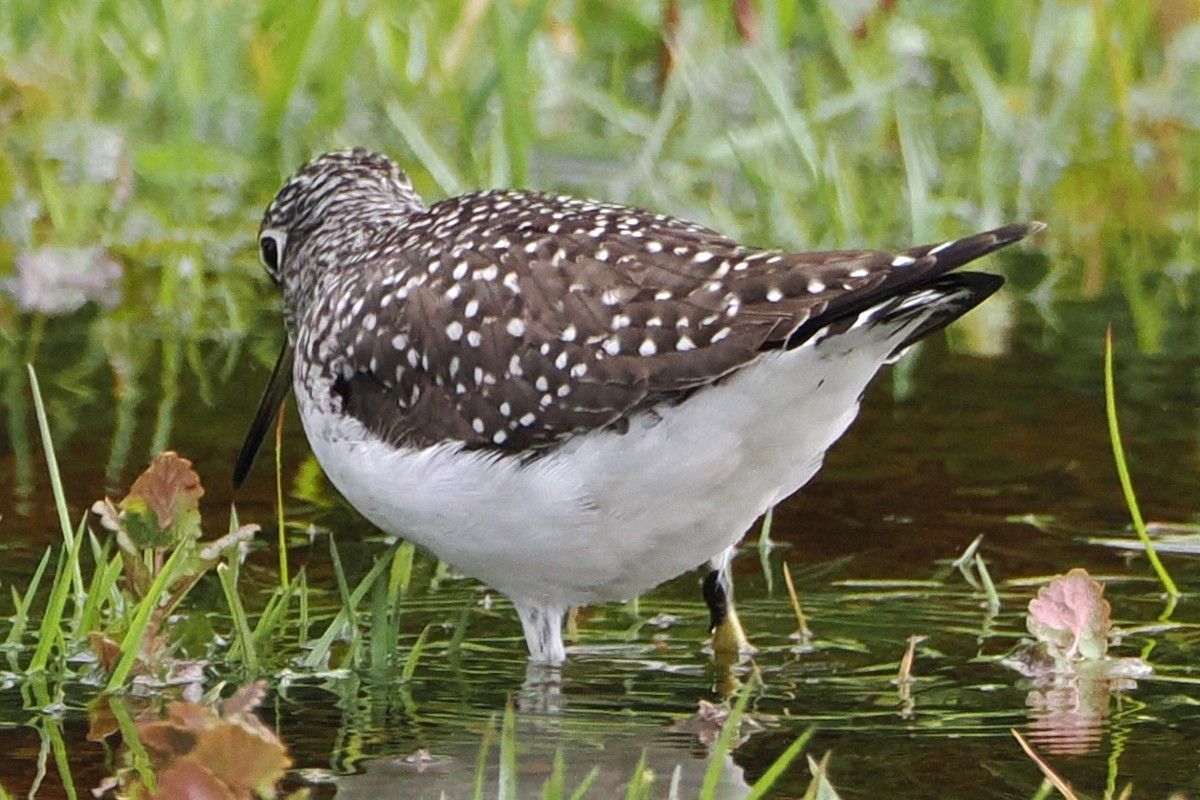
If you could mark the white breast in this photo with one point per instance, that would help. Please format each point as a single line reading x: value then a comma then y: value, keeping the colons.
x: 610, y: 515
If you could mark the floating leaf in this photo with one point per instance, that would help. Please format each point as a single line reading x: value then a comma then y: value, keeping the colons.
x: 1071, y: 617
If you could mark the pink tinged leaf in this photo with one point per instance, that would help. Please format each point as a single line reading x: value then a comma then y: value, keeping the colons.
x: 1071, y: 617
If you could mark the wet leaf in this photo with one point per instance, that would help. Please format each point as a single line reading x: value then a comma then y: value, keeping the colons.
x: 244, y: 757
x: 108, y: 651
x: 708, y: 721
x: 198, y: 752
x: 162, y: 508
x: 194, y: 781
x: 1071, y: 617
x: 102, y: 723
x: 166, y: 737
x: 171, y: 490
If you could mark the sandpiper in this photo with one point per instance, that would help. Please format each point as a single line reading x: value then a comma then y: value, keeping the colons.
x: 570, y: 400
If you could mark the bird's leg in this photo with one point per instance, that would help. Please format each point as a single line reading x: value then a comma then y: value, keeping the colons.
x: 728, y: 638
x: 543, y: 631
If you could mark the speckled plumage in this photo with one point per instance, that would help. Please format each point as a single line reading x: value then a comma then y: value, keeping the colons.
x: 501, y: 336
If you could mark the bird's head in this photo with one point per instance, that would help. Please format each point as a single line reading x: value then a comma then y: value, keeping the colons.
x: 327, y: 215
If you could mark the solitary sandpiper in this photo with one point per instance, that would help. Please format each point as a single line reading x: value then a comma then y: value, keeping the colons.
x: 570, y: 400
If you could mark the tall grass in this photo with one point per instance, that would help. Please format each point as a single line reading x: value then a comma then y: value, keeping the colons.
x: 1126, y: 482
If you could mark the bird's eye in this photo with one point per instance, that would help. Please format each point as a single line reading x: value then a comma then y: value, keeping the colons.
x: 270, y: 250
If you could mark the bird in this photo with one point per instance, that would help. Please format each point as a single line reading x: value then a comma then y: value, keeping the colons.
x: 574, y: 401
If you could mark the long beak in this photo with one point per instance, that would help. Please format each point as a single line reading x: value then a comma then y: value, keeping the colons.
x: 268, y: 409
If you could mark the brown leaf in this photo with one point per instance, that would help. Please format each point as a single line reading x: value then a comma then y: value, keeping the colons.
x: 245, y: 758
x: 166, y: 738
x: 187, y: 779
x: 102, y: 722
x: 107, y: 651
x: 192, y: 716
x: 169, y: 487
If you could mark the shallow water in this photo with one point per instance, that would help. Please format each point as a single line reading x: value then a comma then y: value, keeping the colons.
x: 950, y: 446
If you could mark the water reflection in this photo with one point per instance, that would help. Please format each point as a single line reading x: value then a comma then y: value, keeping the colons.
x: 1069, y: 719
x: 608, y: 757
x: 1019, y: 437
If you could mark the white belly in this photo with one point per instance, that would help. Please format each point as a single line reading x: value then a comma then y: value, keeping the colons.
x: 611, y: 515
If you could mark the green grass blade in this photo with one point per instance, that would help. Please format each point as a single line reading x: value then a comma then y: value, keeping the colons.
x: 50, y: 631
x: 414, y: 655
x: 52, y: 739
x: 104, y: 575
x: 770, y: 79
x: 60, y: 497
x: 485, y: 747
x: 320, y: 650
x: 1114, y: 434
x: 780, y: 765
x: 586, y: 784
x: 989, y: 586
x: 400, y: 574
x: 553, y: 788
x: 272, y: 617
x: 507, y: 788
x: 241, y: 625
x: 349, y: 602
x: 384, y: 629
x: 515, y: 80
x: 137, y: 751
x: 641, y: 782
x: 21, y: 619
x: 131, y: 645
x: 721, y: 748
x: 454, y: 649
x: 293, y: 24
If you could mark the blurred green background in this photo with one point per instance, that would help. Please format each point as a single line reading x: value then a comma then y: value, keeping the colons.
x: 158, y: 130
x: 140, y: 140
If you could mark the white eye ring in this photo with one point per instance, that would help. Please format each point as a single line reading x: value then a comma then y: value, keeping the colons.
x: 271, y: 244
